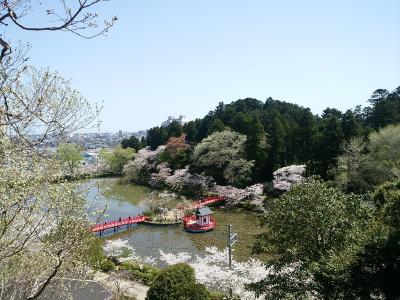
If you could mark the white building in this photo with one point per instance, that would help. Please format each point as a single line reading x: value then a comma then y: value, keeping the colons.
x: 181, y: 120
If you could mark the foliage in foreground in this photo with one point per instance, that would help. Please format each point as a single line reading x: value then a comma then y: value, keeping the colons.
x: 43, y: 226
x: 330, y: 245
x: 177, y: 282
x: 313, y: 233
x: 376, y: 270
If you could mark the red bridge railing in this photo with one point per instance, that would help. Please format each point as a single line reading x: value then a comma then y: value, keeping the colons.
x: 140, y: 219
x: 114, y: 224
x: 208, y: 201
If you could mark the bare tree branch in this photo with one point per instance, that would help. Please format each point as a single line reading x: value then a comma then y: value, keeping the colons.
x: 75, y: 20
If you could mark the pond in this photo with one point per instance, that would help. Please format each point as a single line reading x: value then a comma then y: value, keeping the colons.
x: 122, y: 200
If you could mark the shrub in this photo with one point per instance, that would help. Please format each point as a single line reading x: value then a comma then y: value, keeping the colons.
x: 143, y: 273
x: 177, y: 282
x: 148, y: 213
x: 106, y: 265
x: 214, y: 295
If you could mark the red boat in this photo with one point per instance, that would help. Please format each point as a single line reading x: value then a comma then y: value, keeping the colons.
x: 200, y: 221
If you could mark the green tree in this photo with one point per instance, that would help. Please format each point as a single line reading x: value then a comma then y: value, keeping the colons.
x: 351, y: 126
x: 376, y: 269
x: 71, y: 155
x: 280, y: 133
x: 216, y: 125
x: 238, y: 172
x: 312, y: 234
x: 191, y: 129
x: 256, y: 145
x: 305, y: 136
x: 115, y: 159
x: 363, y: 166
x: 276, y: 156
x: 384, y: 152
x: 174, y: 129
x: 216, y: 156
x: 143, y: 143
x: 156, y: 136
x: 351, y: 171
x: 133, y: 142
x: 385, y: 108
x: 329, y: 145
x: 177, y: 282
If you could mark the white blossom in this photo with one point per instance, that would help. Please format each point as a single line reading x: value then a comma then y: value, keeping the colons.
x: 172, y: 259
x: 235, y: 195
x: 123, y: 251
x: 285, y: 177
x: 116, y: 247
x: 144, y: 162
x: 213, y: 271
x: 158, y: 179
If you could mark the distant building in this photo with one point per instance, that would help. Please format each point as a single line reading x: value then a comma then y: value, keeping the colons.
x: 181, y: 120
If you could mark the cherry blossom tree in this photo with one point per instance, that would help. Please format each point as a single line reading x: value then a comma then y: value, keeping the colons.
x: 213, y: 271
x: 139, y: 169
x: 43, y: 226
x: 234, y: 195
x: 285, y: 177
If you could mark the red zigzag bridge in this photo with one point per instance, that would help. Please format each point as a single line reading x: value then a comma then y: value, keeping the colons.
x: 208, y: 201
x: 115, y: 224
x: 141, y: 219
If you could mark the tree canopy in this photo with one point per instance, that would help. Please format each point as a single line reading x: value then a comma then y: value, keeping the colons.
x: 133, y: 142
x: 367, y: 164
x: 177, y: 282
x: 222, y: 155
x: 281, y: 133
x: 313, y: 232
x: 115, y: 159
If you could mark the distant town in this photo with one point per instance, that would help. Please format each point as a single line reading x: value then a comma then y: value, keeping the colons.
x: 93, y: 143
x: 95, y: 140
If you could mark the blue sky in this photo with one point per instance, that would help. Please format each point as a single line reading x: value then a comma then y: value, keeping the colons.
x: 169, y: 57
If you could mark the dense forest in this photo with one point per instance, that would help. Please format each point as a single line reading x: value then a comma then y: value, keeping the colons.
x: 281, y: 133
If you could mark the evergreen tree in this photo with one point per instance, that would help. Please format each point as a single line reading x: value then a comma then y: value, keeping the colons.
x: 191, y: 131
x: 133, y: 142
x: 305, y: 136
x: 330, y: 144
x: 385, y: 108
x: 174, y: 129
x: 156, y: 136
x: 351, y: 126
x: 276, y: 158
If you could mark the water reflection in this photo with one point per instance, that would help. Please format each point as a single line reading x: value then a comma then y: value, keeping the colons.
x: 123, y: 200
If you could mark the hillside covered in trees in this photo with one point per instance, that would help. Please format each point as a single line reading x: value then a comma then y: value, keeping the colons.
x: 330, y: 236
x: 279, y: 133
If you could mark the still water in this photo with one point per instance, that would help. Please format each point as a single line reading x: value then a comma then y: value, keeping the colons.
x: 122, y: 200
